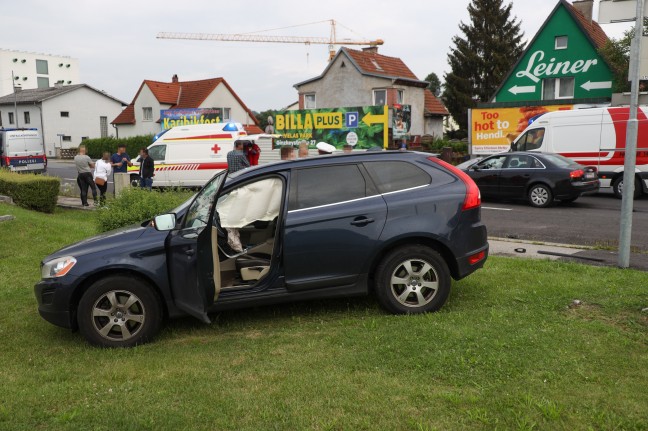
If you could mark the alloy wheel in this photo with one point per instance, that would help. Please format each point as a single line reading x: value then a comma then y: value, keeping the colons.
x: 414, y: 283
x: 118, y: 315
x: 539, y: 196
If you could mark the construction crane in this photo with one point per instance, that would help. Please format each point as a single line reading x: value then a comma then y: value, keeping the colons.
x: 331, y: 41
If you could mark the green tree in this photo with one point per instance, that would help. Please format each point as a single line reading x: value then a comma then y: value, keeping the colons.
x: 617, y: 54
x: 434, y: 85
x: 487, y: 49
x: 262, y: 117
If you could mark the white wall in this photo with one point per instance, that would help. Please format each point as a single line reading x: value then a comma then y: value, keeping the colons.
x: 27, y: 69
x: 434, y: 126
x: 222, y: 98
x: 85, y: 107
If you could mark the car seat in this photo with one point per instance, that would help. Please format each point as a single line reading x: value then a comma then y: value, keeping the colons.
x: 514, y: 163
x: 253, y: 267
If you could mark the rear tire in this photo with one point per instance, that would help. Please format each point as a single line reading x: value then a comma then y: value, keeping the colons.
x: 540, y: 196
x: 134, y: 180
x: 412, y: 279
x: 617, y: 188
x: 119, y: 311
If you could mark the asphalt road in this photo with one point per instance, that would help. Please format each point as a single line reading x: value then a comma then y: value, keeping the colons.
x: 591, y: 220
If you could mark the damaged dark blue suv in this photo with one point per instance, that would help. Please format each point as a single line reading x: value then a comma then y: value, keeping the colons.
x: 398, y: 224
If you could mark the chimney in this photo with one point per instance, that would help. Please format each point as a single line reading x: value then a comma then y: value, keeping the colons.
x: 174, y: 79
x: 373, y: 49
x: 585, y: 7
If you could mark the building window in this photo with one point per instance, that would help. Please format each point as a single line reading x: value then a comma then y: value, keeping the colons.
x: 27, y: 119
x: 147, y: 113
x: 67, y: 138
x: 227, y: 114
x: 41, y: 67
x: 380, y: 97
x: 309, y: 101
x: 400, y: 97
x: 11, y: 117
x: 43, y: 82
x: 65, y: 114
x: 558, y: 88
x: 561, y: 42
x: 83, y: 138
x: 103, y: 126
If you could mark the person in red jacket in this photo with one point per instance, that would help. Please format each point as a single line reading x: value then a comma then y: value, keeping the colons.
x: 252, y: 152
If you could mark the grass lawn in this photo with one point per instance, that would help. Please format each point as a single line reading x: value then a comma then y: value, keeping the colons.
x: 505, y: 352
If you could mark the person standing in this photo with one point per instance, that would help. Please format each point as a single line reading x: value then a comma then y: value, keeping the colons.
x: 287, y: 152
x: 303, y: 150
x: 103, y: 169
x: 146, y: 170
x: 236, y: 159
x: 84, y: 167
x: 120, y: 161
x: 252, y: 152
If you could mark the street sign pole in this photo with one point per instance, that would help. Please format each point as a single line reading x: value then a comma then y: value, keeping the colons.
x: 631, y: 143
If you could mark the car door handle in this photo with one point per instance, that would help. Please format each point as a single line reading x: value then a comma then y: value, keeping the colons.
x: 362, y: 221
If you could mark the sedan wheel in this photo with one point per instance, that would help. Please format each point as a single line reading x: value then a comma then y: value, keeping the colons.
x: 412, y: 279
x: 540, y: 196
x: 119, y: 311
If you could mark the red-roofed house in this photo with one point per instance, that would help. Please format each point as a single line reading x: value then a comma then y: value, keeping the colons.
x: 142, y: 115
x: 365, y: 78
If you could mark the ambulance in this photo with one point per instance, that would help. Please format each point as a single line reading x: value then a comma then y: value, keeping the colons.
x: 188, y: 156
x: 594, y: 137
x: 21, y: 150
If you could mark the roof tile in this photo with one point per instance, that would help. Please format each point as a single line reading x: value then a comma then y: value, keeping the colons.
x: 591, y: 27
x: 378, y: 64
x: 434, y: 106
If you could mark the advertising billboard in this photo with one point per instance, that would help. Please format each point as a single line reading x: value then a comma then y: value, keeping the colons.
x: 493, y: 129
x: 362, y: 127
x: 181, y: 117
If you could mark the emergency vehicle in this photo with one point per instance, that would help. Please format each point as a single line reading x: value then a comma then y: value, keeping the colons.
x: 21, y: 150
x: 188, y: 156
x: 595, y: 137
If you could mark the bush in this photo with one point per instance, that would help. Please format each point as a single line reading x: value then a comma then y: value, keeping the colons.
x: 96, y: 147
x: 438, y: 144
x: 136, y: 205
x: 31, y: 191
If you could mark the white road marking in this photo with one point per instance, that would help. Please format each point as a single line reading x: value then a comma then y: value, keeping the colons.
x: 496, y: 208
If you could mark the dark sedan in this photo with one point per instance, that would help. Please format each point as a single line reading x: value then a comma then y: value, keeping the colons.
x: 539, y: 178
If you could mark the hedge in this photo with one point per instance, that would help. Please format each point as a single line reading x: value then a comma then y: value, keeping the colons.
x: 134, y: 205
x: 31, y: 191
x: 96, y: 147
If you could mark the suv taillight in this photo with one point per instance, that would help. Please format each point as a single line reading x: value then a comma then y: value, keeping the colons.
x: 473, y: 196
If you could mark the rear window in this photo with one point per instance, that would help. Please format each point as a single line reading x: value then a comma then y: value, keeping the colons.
x: 558, y: 160
x: 392, y: 176
x: 326, y: 185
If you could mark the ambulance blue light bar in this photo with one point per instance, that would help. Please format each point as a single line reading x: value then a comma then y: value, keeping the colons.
x: 230, y: 127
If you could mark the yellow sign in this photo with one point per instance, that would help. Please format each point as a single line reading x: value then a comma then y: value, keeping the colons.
x: 493, y: 129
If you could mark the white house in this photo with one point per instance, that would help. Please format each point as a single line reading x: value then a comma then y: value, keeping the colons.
x: 366, y: 78
x: 65, y: 115
x: 34, y: 70
x: 142, y: 115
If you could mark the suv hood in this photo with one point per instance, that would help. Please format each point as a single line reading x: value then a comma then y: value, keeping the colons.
x: 105, y: 241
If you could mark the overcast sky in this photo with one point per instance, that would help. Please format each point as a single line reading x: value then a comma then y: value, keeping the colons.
x: 116, y: 46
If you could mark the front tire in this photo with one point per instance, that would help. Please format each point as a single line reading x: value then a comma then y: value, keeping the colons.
x: 617, y: 188
x: 134, y: 180
x: 412, y: 279
x: 119, y: 311
x: 540, y: 196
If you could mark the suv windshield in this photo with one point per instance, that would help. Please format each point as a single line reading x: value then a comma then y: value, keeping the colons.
x: 198, y: 213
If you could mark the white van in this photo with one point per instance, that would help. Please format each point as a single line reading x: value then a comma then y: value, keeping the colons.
x: 595, y: 137
x: 21, y: 150
x: 188, y: 156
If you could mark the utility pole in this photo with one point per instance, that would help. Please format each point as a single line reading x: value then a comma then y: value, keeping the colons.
x: 13, y: 85
x: 627, y: 201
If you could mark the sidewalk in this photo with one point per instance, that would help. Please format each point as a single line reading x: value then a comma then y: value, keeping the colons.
x: 75, y: 203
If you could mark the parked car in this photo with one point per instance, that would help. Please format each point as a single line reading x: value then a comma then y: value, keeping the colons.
x: 399, y: 224
x: 536, y: 177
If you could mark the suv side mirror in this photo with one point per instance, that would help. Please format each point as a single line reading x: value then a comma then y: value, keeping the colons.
x: 165, y: 222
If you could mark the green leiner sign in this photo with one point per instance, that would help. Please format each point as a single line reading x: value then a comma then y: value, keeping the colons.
x: 560, y: 63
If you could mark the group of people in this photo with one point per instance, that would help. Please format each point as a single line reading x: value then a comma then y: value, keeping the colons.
x: 94, y: 176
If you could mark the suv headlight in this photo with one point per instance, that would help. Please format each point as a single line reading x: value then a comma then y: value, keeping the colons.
x: 58, y: 267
